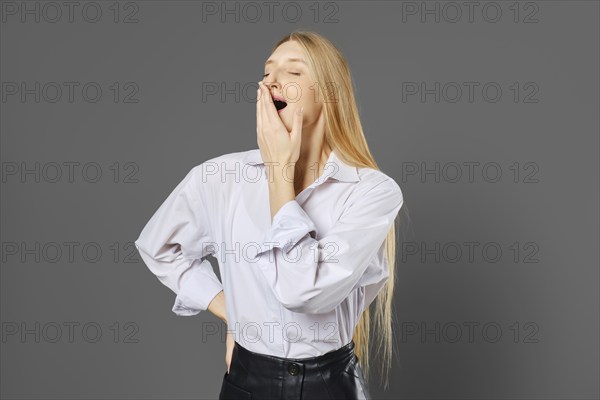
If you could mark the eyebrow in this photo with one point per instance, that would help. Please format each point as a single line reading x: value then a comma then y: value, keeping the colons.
x: 289, y: 59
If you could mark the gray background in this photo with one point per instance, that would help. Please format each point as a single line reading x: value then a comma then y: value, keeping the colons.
x: 170, y: 52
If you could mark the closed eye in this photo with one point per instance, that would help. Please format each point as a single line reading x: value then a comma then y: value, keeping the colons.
x: 293, y: 73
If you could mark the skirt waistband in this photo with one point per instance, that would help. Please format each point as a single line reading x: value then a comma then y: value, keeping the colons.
x: 340, y: 359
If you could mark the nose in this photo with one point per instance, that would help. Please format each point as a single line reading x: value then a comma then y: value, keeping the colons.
x: 273, y: 85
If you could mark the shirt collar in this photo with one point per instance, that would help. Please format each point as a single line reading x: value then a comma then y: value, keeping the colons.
x: 340, y: 170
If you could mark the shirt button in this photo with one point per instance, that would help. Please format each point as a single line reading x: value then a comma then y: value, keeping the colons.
x: 293, y: 369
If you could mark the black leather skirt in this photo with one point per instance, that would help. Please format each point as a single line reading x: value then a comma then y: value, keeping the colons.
x: 333, y: 375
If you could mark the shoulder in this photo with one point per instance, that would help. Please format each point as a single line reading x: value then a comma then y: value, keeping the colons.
x: 213, y: 167
x: 374, y: 180
x: 238, y: 156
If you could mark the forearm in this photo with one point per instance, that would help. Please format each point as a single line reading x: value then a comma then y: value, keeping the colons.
x: 281, y: 189
x: 217, y: 306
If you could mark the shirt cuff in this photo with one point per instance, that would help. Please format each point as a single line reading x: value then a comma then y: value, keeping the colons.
x: 197, y: 290
x: 290, y: 224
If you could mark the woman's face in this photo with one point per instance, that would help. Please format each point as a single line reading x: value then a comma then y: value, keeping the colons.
x: 287, y: 76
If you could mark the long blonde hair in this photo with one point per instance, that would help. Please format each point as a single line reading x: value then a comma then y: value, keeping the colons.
x: 344, y: 133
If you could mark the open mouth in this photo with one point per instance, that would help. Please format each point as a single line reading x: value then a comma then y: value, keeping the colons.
x: 280, y: 104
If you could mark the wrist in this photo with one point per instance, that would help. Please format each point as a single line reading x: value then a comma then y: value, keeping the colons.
x: 281, y: 174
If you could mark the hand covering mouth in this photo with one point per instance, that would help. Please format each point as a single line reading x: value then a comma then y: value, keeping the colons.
x: 279, y: 102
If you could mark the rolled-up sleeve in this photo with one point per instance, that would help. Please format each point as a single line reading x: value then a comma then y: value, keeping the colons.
x: 311, y: 275
x: 174, y: 241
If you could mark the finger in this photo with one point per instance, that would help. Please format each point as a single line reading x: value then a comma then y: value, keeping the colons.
x: 259, y: 102
x: 264, y: 94
x: 265, y: 122
x: 297, y: 123
x: 258, y: 113
x: 296, y: 133
x: 269, y: 110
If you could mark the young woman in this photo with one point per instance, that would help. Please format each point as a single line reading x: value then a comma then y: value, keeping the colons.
x: 303, y: 229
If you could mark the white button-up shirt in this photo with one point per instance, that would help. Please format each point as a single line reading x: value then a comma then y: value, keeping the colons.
x: 294, y: 287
